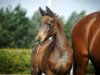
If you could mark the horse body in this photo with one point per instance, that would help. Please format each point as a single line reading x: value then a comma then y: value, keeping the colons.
x: 86, y: 43
x: 38, y: 56
x: 52, y: 57
x: 61, y: 58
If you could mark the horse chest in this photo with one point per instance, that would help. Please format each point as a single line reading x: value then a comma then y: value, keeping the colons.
x: 57, y: 60
x: 59, y: 57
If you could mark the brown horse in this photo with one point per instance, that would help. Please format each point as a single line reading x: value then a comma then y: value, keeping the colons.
x: 86, y: 43
x: 51, y: 56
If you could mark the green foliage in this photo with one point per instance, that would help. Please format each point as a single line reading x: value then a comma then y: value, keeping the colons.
x: 14, y: 28
x: 17, y: 61
x: 18, y: 31
x: 90, y: 69
x: 14, y: 61
x: 35, y: 24
x: 4, y: 62
x: 74, y: 17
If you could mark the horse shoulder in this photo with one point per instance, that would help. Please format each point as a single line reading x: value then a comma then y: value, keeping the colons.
x: 81, y: 33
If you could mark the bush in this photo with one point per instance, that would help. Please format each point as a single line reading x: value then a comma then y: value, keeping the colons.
x: 90, y: 69
x: 14, y: 61
x: 17, y: 61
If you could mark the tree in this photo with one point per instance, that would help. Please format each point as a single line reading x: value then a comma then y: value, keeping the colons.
x: 14, y: 28
x: 35, y: 22
x: 18, y: 31
x: 74, y: 17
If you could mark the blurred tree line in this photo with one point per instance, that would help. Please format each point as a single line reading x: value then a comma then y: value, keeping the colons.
x: 18, y: 31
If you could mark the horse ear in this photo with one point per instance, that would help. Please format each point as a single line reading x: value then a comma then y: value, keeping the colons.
x: 42, y: 12
x: 49, y: 11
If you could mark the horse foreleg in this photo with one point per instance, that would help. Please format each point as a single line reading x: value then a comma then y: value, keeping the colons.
x: 49, y: 72
x: 68, y: 74
x: 80, y: 66
x: 35, y: 71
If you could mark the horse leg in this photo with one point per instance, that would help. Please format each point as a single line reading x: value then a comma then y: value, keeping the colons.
x: 80, y: 63
x: 48, y: 72
x: 80, y: 66
x: 35, y: 71
x: 96, y: 67
x: 68, y: 74
x: 97, y: 71
x: 81, y: 56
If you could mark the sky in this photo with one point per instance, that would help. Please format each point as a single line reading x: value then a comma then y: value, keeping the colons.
x: 61, y: 7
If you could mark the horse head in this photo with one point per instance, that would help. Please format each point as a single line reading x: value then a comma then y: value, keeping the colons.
x: 48, y: 26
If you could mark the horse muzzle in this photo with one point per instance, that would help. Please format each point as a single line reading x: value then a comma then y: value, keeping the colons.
x: 38, y: 42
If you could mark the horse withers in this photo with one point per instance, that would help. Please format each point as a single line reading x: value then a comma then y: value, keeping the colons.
x: 86, y: 43
x: 51, y: 56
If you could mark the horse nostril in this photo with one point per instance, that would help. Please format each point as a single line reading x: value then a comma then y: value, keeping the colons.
x: 37, y: 41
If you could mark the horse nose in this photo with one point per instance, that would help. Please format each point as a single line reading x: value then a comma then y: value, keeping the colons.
x: 37, y: 42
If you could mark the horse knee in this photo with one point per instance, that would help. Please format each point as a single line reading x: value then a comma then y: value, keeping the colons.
x: 80, y: 66
x: 35, y: 71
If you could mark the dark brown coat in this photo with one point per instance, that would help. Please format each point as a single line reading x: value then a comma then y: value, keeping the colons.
x: 52, y: 57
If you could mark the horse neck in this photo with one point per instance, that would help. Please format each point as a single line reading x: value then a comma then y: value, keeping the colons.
x: 61, y: 40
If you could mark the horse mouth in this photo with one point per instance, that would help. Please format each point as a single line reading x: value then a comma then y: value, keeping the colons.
x: 38, y: 42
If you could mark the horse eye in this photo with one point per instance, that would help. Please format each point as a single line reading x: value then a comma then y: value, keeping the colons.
x: 49, y: 24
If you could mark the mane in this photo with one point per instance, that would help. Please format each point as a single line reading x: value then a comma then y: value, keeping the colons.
x: 60, y: 28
